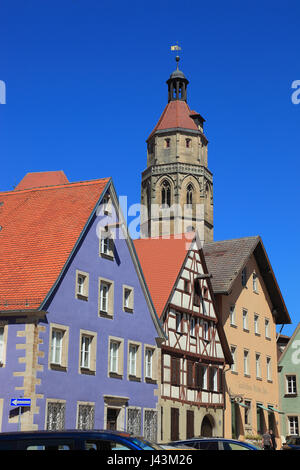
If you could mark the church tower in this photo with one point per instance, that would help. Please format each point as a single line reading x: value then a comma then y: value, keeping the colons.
x: 177, y: 186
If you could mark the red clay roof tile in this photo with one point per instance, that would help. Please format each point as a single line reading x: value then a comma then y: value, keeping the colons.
x: 39, y: 228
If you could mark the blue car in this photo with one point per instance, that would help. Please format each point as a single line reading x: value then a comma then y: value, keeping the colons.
x: 215, y: 443
x: 74, y: 440
x: 291, y: 443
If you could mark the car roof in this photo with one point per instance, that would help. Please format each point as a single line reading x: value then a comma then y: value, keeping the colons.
x: 65, y: 433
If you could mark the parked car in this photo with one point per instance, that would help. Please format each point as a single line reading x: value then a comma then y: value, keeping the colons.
x: 291, y: 443
x: 215, y: 443
x: 74, y: 440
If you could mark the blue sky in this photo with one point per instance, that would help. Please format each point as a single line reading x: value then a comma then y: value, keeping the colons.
x: 85, y: 85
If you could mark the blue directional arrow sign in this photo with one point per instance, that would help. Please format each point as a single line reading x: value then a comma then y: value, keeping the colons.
x: 20, y: 402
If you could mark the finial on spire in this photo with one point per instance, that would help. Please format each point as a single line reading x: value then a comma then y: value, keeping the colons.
x: 176, y: 48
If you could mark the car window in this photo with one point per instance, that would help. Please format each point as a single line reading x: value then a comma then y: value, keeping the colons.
x: 208, y: 445
x: 104, y: 445
x: 234, y: 446
x: 48, y: 444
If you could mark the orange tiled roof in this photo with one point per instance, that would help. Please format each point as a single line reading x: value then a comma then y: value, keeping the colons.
x: 161, y: 261
x: 176, y: 114
x: 39, y: 228
x: 44, y: 178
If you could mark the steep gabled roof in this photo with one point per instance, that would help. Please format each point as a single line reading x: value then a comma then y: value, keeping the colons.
x: 39, y: 228
x: 225, y: 260
x: 290, y: 342
x: 161, y: 260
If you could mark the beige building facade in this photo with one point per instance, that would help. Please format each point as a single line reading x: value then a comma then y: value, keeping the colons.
x: 251, y: 306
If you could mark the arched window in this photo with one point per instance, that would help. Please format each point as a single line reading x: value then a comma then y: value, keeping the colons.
x: 166, y: 193
x: 189, y: 194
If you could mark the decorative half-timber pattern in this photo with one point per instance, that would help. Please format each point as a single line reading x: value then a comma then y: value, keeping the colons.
x: 192, y: 357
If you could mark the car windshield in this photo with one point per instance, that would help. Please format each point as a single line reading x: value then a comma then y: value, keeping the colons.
x: 145, y: 445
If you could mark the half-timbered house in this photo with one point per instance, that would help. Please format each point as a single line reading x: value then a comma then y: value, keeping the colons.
x: 196, y: 351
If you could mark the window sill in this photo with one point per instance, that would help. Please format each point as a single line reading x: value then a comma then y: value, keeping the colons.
x: 115, y: 375
x: 106, y: 315
x: 58, y: 367
x: 86, y: 371
x: 134, y: 378
x: 82, y: 297
x: 247, y: 376
x: 105, y: 256
x: 290, y: 395
x: 246, y: 330
x: 128, y: 310
x: 148, y: 380
x: 233, y: 325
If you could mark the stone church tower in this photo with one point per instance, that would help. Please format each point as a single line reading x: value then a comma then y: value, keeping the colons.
x: 177, y: 186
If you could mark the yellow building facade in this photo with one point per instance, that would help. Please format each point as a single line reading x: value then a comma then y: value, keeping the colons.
x: 251, y: 306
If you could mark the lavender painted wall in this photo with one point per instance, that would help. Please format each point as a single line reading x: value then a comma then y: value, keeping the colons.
x: 65, y: 309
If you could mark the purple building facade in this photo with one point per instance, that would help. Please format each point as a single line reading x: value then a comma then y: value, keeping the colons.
x: 88, y: 356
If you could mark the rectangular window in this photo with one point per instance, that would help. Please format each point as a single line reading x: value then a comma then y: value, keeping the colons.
x: 134, y: 421
x: 256, y: 324
x: 175, y: 371
x: 233, y: 353
x: 85, y: 352
x: 85, y: 416
x: 82, y: 285
x: 56, y: 346
x: 106, y: 297
x: 1, y: 344
x: 133, y: 359
x: 128, y: 299
x: 206, y: 330
x: 232, y: 316
x: 245, y: 320
x: 178, y: 322
x: 269, y: 369
x: 291, y: 385
x: 114, y: 357
x: 267, y: 328
x: 150, y: 425
x: 255, y: 282
x: 106, y: 245
x: 55, y: 416
x: 149, y: 363
x: 247, y: 412
x: 204, y: 379
x: 246, y: 362
x: 257, y: 366
x: 293, y: 425
x: 192, y: 326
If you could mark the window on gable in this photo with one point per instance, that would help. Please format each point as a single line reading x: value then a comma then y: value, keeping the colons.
x: 244, y: 277
x: 255, y: 282
x: 106, y: 297
x: 197, y: 293
x: 128, y: 299
x: 106, y: 245
x: 82, y: 285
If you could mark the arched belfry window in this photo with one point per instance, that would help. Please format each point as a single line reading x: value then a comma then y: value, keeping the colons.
x: 189, y: 194
x: 166, y: 193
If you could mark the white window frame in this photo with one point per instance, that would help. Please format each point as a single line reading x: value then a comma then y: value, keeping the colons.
x: 258, y: 365
x: 106, y: 297
x: 246, y: 362
x: 232, y: 315
x: 233, y: 350
x: 133, y: 358
x: 82, y: 288
x: 56, y: 337
x: 245, y: 320
x: 85, y: 351
x: 267, y: 328
x: 128, y: 300
x: 269, y: 368
x: 293, y: 425
x: 291, y: 384
x: 256, y: 324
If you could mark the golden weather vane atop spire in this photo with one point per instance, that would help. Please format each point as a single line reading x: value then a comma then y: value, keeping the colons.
x: 176, y: 48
